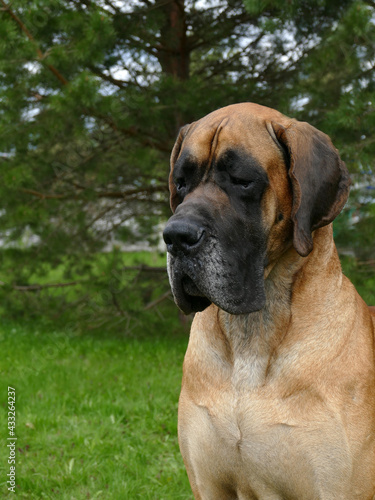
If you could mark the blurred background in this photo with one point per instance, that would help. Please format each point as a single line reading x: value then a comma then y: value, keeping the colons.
x: 92, y: 95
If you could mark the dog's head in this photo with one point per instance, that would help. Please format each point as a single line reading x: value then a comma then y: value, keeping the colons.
x: 246, y: 183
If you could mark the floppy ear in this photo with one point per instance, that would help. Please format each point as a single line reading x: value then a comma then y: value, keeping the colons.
x: 174, y: 155
x: 320, y: 180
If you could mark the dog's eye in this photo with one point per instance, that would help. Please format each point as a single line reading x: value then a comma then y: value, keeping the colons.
x: 180, y: 184
x: 241, y: 182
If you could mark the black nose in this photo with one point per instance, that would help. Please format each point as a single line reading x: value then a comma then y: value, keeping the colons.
x: 183, y: 236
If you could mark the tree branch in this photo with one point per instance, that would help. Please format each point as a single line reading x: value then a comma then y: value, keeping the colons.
x: 41, y: 56
x: 36, y: 287
x: 130, y: 132
x: 44, y: 196
x: 155, y: 302
x: 118, y: 83
x: 132, y: 192
x: 106, y: 194
x: 142, y: 268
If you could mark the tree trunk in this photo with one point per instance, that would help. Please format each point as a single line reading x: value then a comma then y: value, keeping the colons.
x: 174, y: 55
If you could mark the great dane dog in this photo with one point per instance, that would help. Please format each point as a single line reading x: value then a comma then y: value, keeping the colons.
x: 278, y: 390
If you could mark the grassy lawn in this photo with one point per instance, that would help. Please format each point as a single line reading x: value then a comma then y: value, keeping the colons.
x: 96, y: 415
x: 97, y: 412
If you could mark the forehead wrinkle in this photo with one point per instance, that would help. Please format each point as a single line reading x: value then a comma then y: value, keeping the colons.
x: 202, y: 140
x: 213, y: 146
x: 250, y: 134
x: 209, y: 137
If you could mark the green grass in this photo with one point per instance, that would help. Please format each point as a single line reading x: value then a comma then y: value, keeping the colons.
x: 96, y: 415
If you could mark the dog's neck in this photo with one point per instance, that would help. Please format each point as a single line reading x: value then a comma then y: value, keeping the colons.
x: 258, y: 335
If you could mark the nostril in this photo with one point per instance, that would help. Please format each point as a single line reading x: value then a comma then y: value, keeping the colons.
x: 169, y: 235
x: 190, y: 239
x: 167, y: 239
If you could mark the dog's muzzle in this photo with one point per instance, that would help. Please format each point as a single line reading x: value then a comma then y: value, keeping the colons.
x: 185, y: 239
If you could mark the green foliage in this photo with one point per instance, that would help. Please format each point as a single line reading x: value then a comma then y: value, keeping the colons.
x: 95, y: 417
x: 340, y: 85
x: 92, y: 94
x: 354, y: 233
x: 123, y: 291
x: 361, y: 274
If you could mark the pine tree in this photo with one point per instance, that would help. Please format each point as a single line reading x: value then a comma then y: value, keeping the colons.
x: 93, y: 92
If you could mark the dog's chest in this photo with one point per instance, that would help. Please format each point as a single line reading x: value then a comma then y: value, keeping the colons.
x: 261, y: 448
x: 235, y: 428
